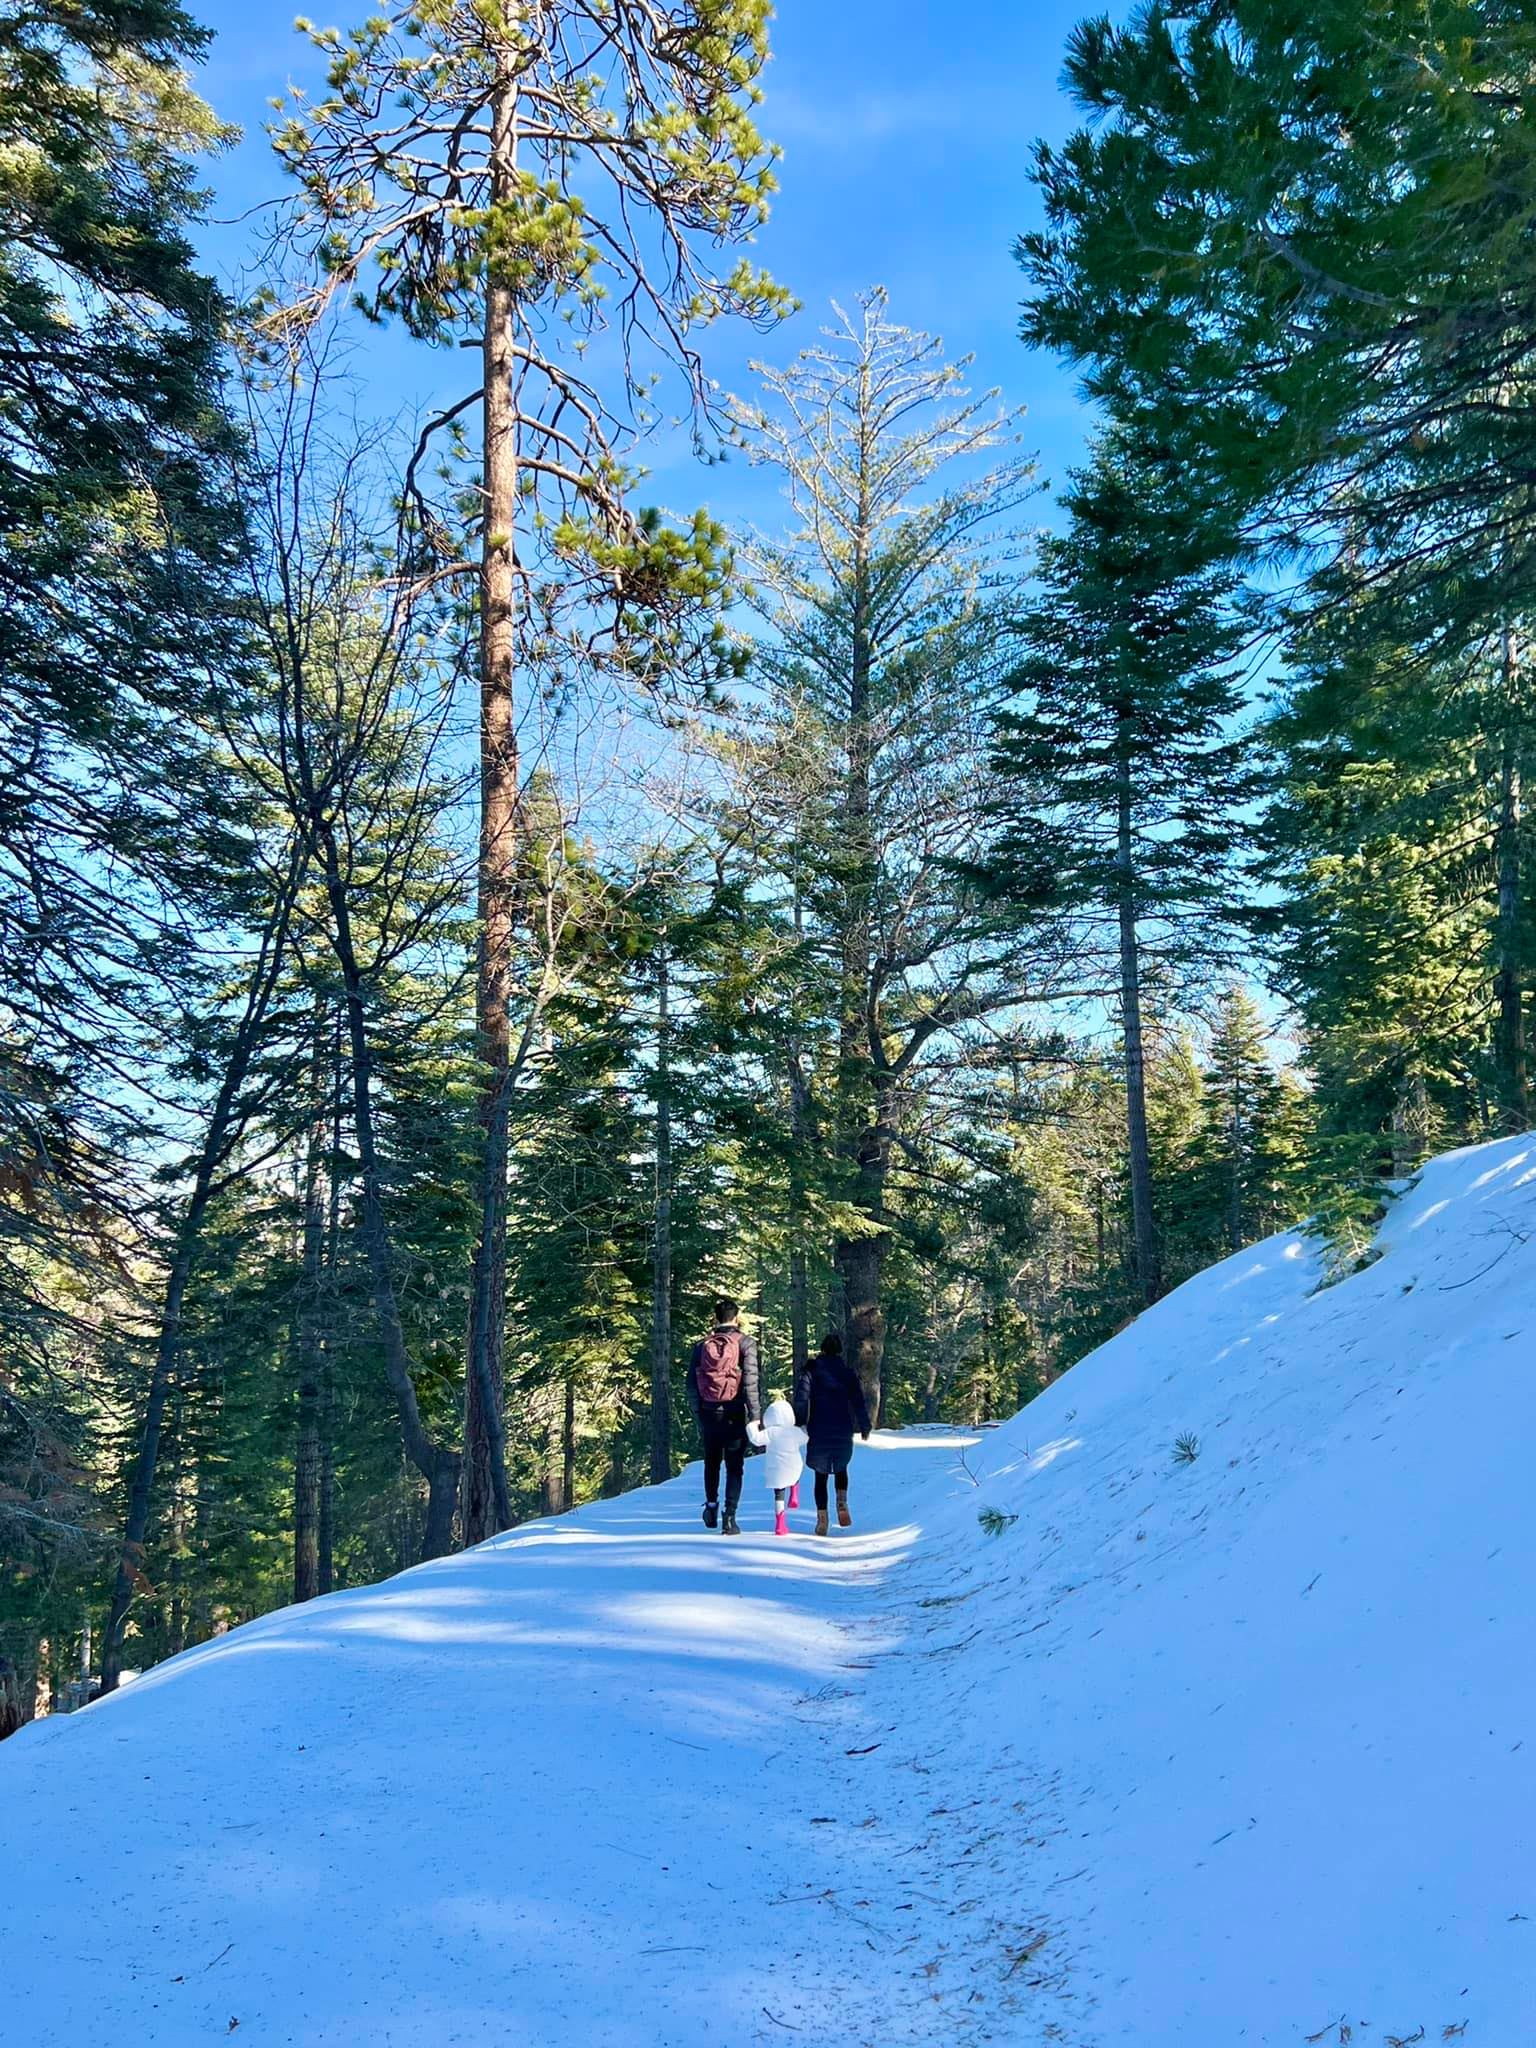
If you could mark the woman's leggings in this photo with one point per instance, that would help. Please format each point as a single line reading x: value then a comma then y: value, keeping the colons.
x: 841, y: 1477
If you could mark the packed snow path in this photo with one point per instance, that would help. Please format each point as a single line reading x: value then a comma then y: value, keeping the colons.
x: 1223, y: 1748
x: 589, y: 1783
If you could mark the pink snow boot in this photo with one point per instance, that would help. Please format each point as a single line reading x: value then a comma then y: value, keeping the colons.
x: 794, y: 1495
x: 781, y: 1523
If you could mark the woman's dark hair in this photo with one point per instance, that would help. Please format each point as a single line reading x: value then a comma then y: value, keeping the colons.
x: 832, y: 1345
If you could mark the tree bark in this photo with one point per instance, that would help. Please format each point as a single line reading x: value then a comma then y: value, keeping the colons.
x: 438, y: 1465
x: 661, y: 1249
x: 202, y: 1584
x: 308, y: 1361
x: 486, y: 1504
x: 325, y: 1513
x: 799, y: 1136
x: 1143, y: 1221
x: 1510, y: 1046
x: 799, y: 1289
x: 552, y: 1500
x: 861, y: 1260
x: 18, y: 1693
x: 568, y: 1446
x: 325, y: 1523
x: 189, y: 1230
x: 176, y: 1631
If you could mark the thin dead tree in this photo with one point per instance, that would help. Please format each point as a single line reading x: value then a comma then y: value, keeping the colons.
x: 345, y: 745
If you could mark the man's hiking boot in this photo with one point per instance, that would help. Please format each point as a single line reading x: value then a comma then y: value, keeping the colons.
x: 821, y: 1521
x: 730, y: 1526
x: 844, y: 1519
x: 711, y: 1513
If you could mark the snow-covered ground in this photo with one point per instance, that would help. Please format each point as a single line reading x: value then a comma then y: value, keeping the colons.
x: 1196, y: 1752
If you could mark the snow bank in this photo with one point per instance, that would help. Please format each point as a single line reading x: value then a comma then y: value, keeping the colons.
x: 1253, y: 1733
x: 1199, y: 1750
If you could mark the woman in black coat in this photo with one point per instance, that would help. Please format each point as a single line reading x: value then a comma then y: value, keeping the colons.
x: 830, y: 1406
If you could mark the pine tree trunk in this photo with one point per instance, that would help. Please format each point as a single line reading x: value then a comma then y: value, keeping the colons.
x: 799, y: 1288
x: 18, y: 1691
x: 325, y: 1505
x: 141, y: 1486
x: 176, y: 1632
x: 486, y: 1504
x: 188, y: 1238
x: 1514, y: 1084
x: 568, y: 1446
x: 163, y: 1372
x: 799, y: 1313
x: 202, y: 1595
x: 325, y: 1523
x: 1143, y: 1221
x: 552, y: 1499
x: 799, y: 1137
x: 931, y: 1387
x: 308, y: 1364
x: 861, y: 1260
x: 661, y: 1253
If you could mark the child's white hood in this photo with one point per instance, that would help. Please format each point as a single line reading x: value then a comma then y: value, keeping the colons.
x: 784, y: 1440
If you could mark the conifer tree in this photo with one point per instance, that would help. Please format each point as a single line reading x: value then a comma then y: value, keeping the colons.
x: 521, y: 180
x: 120, y: 837
x: 887, y: 626
x: 1291, y: 239
x: 1126, y: 780
x: 1381, y: 841
x: 1248, y: 1127
x: 1294, y: 244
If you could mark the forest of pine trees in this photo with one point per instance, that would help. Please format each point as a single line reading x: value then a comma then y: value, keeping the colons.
x: 457, y: 918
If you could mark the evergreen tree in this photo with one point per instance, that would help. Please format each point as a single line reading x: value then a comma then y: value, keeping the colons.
x: 887, y: 617
x: 1292, y: 246
x: 120, y: 838
x: 1127, y: 780
x: 1248, y: 1131
x: 501, y: 177
x: 1384, y: 837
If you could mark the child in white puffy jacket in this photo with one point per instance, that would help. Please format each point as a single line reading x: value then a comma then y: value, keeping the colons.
x: 784, y: 1440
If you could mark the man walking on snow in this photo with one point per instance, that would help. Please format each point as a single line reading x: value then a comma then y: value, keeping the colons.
x: 723, y: 1394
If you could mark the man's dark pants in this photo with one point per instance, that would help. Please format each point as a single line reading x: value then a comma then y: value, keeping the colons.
x: 723, y: 1426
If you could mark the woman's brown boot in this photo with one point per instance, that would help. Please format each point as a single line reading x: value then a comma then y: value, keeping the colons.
x: 821, y: 1521
x: 844, y: 1519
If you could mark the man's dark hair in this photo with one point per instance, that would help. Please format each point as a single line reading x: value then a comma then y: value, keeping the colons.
x: 725, y: 1310
x: 832, y: 1344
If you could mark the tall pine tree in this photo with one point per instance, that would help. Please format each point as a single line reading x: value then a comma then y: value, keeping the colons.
x: 1127, y: 781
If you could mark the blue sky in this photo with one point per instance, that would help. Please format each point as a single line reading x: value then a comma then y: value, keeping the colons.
x: 906, y: 128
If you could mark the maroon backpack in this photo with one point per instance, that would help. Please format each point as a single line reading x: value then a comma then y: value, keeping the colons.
x: 718, y: 1372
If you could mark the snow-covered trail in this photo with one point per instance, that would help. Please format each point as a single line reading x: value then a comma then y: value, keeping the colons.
x: 586, y: 1784
x: 1233, y: 1750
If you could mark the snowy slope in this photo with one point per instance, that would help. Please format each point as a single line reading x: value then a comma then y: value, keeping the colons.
x: 1193, y: 1754
x: 1269, y: 1719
